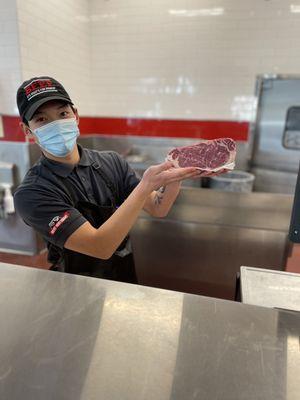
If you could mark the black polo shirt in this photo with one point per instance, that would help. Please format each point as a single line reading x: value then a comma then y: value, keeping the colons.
x: 43, y: 201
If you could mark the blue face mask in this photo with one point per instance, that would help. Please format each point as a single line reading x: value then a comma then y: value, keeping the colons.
x: 58, y: 137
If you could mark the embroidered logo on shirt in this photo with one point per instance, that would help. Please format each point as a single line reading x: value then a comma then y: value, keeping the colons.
x: 57, y: 221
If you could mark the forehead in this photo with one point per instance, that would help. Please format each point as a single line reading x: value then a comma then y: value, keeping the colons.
x: 51, y: 105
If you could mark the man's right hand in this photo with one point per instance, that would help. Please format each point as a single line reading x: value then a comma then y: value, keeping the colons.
x: 164, y: 174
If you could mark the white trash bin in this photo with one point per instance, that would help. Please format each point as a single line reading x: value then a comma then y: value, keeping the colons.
x: 233, y: 181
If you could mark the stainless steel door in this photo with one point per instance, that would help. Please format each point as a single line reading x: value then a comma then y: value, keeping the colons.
x: 274, y: 165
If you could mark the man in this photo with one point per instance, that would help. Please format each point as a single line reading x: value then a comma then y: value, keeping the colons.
x: 84, y: 202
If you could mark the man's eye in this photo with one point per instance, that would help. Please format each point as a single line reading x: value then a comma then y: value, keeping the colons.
x: 40, y: 119
x: 64, y: 113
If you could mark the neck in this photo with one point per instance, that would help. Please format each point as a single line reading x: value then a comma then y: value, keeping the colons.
x: 71, y: 158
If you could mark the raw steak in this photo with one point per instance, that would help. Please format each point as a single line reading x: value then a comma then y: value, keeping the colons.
x: 208, y: 155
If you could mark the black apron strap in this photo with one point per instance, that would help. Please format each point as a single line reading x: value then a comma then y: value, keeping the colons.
x: 71, y: 193
x: 108, y: 183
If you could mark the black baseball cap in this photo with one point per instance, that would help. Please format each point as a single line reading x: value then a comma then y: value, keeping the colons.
x: 37, y: 91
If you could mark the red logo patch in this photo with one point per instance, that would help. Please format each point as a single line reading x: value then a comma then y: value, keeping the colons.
x: 57, y: 222
x: 39, y: 86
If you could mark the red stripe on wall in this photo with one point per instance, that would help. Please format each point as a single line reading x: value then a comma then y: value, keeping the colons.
x: 165, y: 128
x: 11, y: 129
x: 144, y: 127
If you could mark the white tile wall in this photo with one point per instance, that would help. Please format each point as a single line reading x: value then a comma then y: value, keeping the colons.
x: 187, y: 59
x: 55, y: 41
x: 10, y: 69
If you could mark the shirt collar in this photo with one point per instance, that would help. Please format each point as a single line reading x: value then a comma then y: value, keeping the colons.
x: 63, y: 169
x: 85, y: 160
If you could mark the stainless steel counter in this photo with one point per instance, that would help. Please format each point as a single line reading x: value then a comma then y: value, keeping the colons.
x: 268, y: 288
x: 200, y: 246
x: 71, y: 337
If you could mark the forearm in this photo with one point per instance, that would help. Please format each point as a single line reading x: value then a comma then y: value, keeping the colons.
x: 115, y: 229
x: 103, y: 242
x: 160, y: 203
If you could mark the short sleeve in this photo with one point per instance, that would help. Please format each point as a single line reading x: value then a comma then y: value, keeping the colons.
x: 129, y: 178
x: 48, y: 214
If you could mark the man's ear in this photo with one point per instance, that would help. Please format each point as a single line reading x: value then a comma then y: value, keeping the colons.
x: 25, y: 128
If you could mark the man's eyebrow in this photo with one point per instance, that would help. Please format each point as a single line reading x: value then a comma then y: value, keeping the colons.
x: 37, y: 113
x: 63, y: 105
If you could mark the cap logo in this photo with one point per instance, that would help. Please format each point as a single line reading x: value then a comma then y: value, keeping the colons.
x: 39, y: 86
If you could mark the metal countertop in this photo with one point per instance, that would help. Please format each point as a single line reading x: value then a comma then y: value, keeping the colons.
x: 269, y: 288
x: 70, y: 337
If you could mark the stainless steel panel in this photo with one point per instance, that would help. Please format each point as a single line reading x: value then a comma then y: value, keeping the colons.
x: 78, y: 338
x: 15, y: 235
x: 201, y: 259
x: 7, y: 174
x: 18, y: 154
x: 250, y: 210
x: 263, y: 287
x: 207, y: 236
x: 267, y: 180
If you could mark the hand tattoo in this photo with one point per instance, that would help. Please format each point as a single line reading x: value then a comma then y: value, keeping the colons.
x: 159, y: 195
